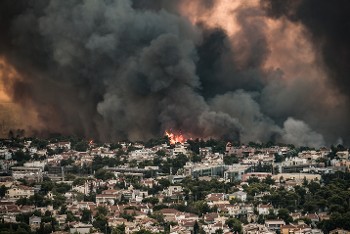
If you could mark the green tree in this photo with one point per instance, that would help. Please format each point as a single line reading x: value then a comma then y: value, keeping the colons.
x: 79, y: 181
x: 120, y: 229
x: 59, y: 200
x: 164, y: 183
x: 39, y: 200
x: 47, y: 186
x: 313, y: 187
x: 39, y: 143
x: 152, y: 200
x: 21, y: 156
x: 268, y: 180
x: 278, y: 158
x: 66, y: 162
x: 230, y: 159
x: 101, y: 210
x: 253, y: 179
x: 115, y: 146
x: 3, y: 190
x: 70, y: 177
x: 61, y: 188
x: 81, y: 146
x: 271, y: 215
x: 160, y: 153
x: 44, y: 228
x: 261, y: 219
x: 196, y: 158
x: 202, y: 207
x: 101, y: 223
x: 284, y: 214
x: 86, y: 216
x: 143, y: 231
x: 71, y: 217
x: 104, y: 174
x: 196, y: 228
x: 234, y: 224
x: 23, y: 218
x: 157, y: 216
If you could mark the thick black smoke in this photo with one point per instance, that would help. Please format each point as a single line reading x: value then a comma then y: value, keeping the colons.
x: 328, y: 25
x: 109, y: 69
x: 116, y: 69
x: 328, y: 28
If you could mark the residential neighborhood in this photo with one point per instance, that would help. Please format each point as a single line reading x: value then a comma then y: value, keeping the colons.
x: 75, y: 186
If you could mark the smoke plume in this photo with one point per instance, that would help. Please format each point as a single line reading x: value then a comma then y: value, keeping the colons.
x: 117, y: 69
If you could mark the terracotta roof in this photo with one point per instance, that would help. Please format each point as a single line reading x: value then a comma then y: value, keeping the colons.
x: 168, y: 211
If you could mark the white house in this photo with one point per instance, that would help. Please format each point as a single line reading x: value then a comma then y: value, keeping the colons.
x: 179, y: 149
x: 264, y: 209
x: 240, y: 195
x: 19, y: 192
x: 81, y: 228
x: 108, y: 197
x: 34, y: 220
x: 274, y: 225
x: 173, y: 190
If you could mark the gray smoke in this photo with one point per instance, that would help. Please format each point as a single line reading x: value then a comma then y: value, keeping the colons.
x: 296, y: 131
x: 117, y: 69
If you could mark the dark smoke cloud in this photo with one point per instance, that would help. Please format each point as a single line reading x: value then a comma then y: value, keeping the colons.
x: 328, y: 28
x: 224, y: 66
x: 108, y: 70
x: 117, y: 69
x: 328, y: 25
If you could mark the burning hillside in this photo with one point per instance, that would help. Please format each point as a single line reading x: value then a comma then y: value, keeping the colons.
x: 175, y: 137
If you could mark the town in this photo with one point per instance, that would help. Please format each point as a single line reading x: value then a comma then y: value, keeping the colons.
x: 70, y: 185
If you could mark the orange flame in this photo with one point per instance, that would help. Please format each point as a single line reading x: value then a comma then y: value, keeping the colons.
x: 175, y: 138
x: 8, y: 75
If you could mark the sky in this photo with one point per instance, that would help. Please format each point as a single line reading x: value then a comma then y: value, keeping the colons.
x: 256, y: 70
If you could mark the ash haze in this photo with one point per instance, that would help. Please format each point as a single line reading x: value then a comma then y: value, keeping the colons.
x: 241, y: 70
